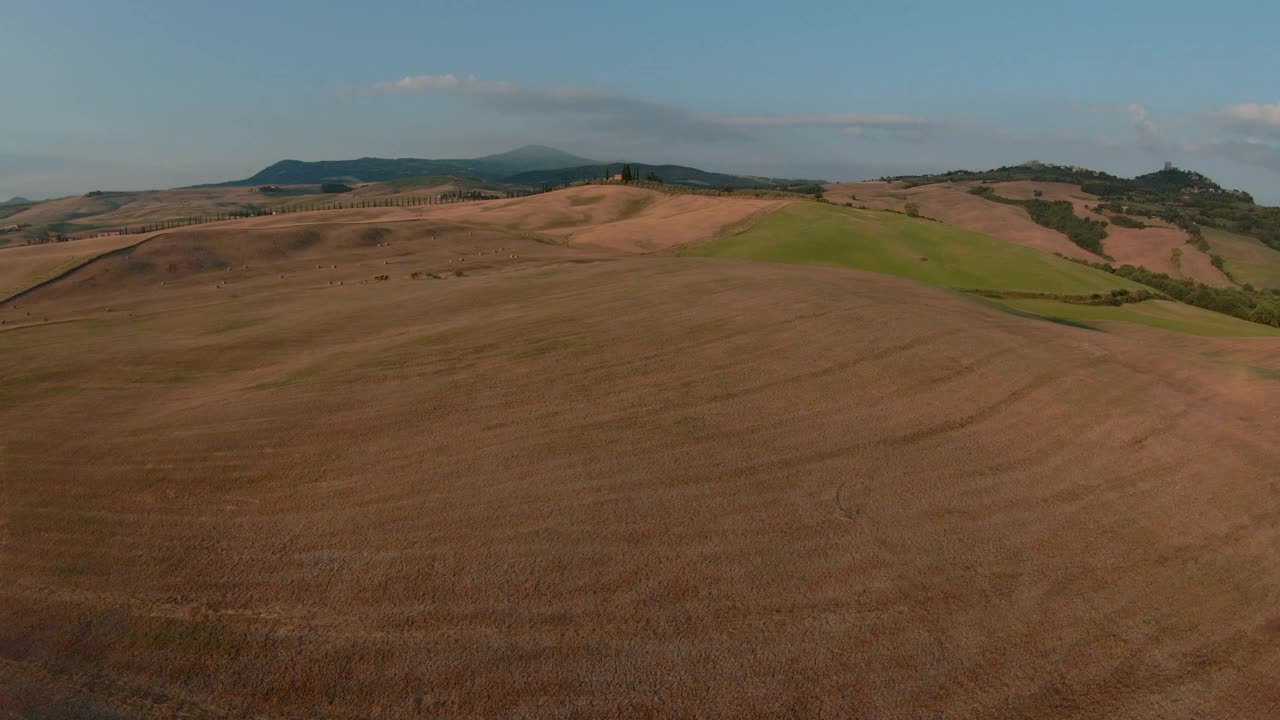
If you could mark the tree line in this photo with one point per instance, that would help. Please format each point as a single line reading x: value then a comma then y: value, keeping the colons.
x: 314, y: 206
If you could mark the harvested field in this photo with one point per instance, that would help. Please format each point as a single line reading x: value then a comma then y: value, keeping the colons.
x: 622, y: 219
x: 1081, y: 201
x: 1150, y: 247
x: 24, y: 267
x: 1153, y: 248
x: 649, y: 487
x: 954, y: 205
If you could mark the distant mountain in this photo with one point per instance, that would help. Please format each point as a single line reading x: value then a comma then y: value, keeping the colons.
x: 670, y: 174
x: 528, y: 166
x: 534, y: 157
x: 488, y: 168
x: 15, y: 200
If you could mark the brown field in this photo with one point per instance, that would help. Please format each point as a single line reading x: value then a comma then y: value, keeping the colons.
x: 623, y: 219
x: 1081, y: 201
x: 143, y: 206
x: 952, y: 203
x: 1150, y: 247
x: 579, y: 484
x: 1153, y: 248
x: 118, y: 209
x: 24, y: 267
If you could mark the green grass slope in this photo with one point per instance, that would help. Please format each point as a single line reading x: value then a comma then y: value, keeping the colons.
x: 1163, y: 314
x: 1248, y: 259
x: 930, y: 252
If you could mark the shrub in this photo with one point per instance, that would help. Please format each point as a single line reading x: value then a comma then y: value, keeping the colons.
x: 1126, y: 221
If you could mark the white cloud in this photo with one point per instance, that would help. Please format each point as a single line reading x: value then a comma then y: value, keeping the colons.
x: 1149, y: 133
x: 445, y: 83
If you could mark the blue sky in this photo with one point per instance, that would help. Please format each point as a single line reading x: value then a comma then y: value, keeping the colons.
x: 132, y: 95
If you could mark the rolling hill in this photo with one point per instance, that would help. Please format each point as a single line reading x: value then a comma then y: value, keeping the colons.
x: 1184, y: 198
x: 473, y: 461
x: 931, y: 252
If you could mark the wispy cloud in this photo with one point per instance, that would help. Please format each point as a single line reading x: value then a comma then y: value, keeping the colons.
x: 1250, y: 119
x: 603, y: 110
x: 1149, y: 133
x: 637, y: 115
x: 903, y: 126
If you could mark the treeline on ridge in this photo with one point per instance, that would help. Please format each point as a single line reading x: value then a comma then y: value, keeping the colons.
x: 1184, y: 198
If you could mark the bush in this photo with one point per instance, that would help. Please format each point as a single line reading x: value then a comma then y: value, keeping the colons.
x: 911, y: 210
x: 1126, y: 221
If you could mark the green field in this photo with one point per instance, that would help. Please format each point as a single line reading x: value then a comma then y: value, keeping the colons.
x: 1163, y: 314
x: 1247, y: 259
x: 820, y: 234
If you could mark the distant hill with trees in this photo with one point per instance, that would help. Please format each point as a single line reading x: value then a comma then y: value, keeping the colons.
x: 369, y: 169
x: 669, y: 174
x: 1184, y: 197
x: 531, y: 166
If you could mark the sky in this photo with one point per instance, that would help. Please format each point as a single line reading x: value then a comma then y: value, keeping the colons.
x: 142, y: 95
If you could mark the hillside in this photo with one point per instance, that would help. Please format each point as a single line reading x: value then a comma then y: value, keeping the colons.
x: 1184, y: 198
x: 840, y: 493
x: 938, y: 254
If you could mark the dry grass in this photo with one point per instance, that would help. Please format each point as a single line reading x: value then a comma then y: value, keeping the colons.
x: 650, y: 487
x: 24, y: 267
x: 953, y: 204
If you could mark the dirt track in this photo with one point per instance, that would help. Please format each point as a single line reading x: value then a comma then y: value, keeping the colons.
x: 647, y: 487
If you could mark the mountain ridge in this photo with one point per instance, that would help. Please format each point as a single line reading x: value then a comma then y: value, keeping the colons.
x: 495, y: 167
